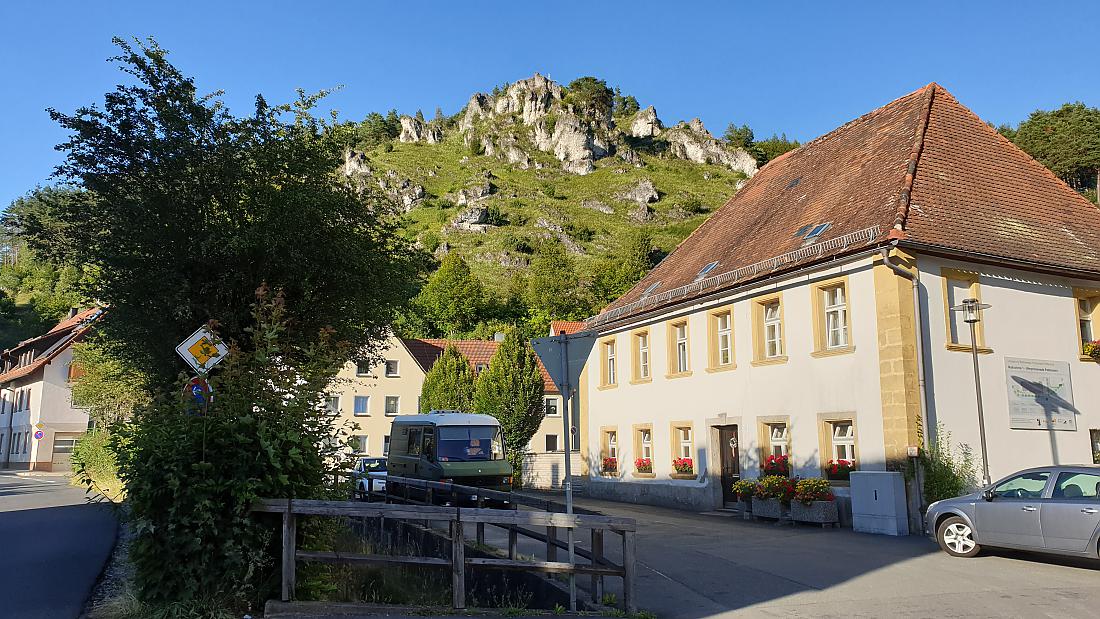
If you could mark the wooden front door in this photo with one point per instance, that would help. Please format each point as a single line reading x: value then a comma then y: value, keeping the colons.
x: 731, y: 464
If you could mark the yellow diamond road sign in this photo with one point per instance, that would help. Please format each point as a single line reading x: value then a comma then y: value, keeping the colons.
x: 202, y: 350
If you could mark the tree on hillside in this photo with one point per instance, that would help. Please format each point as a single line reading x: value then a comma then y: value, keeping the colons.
x: 449, y: 384
x: 191, y: 209
x: 615, y: 274
x: 553, y: 289
x: 451, y: 303
x: 377, y: 129
x: 774, y: 147
x: 590, y: 96
x: 623, y: 105
x: 1067, y: 141
x: 511, y: 390
x: 738, y: 137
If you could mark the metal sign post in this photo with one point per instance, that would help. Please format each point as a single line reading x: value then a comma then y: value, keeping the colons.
x: 564, y: 364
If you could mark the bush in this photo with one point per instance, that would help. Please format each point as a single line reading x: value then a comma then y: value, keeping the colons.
x: 947, y: 471
x: 812, y: 489
x: 94, y: 464
x: 191, y: 479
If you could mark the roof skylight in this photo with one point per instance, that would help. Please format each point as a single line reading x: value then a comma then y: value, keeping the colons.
x: 818, y: 229
x: 707, y: 269
x: 649, y: 291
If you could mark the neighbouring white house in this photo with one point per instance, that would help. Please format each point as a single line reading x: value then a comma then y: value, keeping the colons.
x: 367, y: 396
x: 39, y: 426
x: 810, y: 317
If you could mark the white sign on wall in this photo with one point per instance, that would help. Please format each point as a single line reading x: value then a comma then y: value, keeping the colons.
x: 1040, y: 395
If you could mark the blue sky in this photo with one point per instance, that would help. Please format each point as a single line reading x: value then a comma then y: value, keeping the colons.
x: 796, y: 67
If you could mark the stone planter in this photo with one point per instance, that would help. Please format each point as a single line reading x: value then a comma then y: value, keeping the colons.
x: 767, y: 508
x: 745, y: 507
x: 818, y: 512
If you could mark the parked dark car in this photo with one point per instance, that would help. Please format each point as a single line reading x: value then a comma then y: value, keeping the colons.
x: 1053, y: 509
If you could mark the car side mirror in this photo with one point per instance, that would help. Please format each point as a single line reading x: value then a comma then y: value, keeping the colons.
x: 988, y: 495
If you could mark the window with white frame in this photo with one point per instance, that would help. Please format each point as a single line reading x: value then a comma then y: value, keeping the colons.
x: 645, y: 443
x: 773, y: 330
x: 362, y: 405
x: 362, y: 368
x: 641, y: 340
x: 681, y: 347
x: 609, y: 359
x: 386, y: 445
x: 392, y: 405
x: 957, y: 291
x: 685, y: 447
x: 1085, y: 309
x: 836, y: 316
x: 612, y: 444
x: 550, y: 405
x: 332, y: 406
x: 779, y: 439
x: 362, y: 444
x: 479, y: 368
x: 725, y: 338
x: 392, y: 368
x: 843, y: 440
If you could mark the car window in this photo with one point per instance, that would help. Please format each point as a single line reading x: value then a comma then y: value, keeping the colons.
x: 1084, y: 486
x: 1026, y: 486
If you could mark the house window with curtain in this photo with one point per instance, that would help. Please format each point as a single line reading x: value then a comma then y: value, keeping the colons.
x: 836, y: 317
x: 773, y: 330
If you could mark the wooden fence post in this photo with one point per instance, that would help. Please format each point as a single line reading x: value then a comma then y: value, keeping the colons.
x: 458, y: 565
x: 551, y: 547
x: 289, y: 550
x: 597, y: 555
x: 513, y: 542
x: 480, y: 525
x: 629, y: 559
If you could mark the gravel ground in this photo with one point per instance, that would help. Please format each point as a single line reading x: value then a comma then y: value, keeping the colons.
x: 119, y: 572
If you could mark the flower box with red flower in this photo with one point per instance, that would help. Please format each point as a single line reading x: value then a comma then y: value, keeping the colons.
x: 643, y: 465
x: 839, y: 470
x: 610, y: 465
x: 683, y: 467
x: 777, y: 465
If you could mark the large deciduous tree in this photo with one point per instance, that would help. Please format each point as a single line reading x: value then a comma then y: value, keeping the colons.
x: 449, y: 384
x: 191, y: 209
x: 511, y: 389
x: 452, y: 302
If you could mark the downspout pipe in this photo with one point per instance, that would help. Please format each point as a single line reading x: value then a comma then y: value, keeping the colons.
x: 918, y: 317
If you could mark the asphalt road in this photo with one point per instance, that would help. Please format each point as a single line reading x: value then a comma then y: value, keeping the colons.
x: 52, y: 547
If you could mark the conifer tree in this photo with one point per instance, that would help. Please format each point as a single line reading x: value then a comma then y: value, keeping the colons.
x: 449, y: 385
x: 511, y: 390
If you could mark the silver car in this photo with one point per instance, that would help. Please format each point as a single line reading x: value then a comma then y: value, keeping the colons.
x: 1048, y: 509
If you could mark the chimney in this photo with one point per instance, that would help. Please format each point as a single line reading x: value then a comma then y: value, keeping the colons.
x: 73, y: 311
x: 498, y: 336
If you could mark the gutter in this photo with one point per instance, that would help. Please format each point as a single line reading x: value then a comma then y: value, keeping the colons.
x: 914, y: 278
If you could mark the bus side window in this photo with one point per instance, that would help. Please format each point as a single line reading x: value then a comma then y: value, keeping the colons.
x: 429, y: 444
x: 414, y: 442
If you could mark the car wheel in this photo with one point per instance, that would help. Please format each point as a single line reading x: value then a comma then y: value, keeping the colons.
x: 956, y: 538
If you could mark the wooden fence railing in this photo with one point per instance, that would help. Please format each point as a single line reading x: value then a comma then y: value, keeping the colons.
x: 515, y: 521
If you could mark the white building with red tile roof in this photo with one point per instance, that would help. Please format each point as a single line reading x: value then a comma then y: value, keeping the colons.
x: 810, y: 316
x: 38, y: 423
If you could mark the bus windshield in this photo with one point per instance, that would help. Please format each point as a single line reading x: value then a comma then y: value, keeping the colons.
x: 469, y: 443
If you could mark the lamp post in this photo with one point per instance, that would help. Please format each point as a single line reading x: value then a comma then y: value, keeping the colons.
x: 971, y: 310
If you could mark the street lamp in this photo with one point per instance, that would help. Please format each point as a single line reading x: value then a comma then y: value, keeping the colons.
x: 971, y: 309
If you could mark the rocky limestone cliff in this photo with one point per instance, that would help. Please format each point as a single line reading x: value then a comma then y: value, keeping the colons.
x: 537, y: 112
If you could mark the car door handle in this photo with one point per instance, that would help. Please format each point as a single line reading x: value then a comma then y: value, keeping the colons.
x: 1028, y: 508
x: 1088, y: 510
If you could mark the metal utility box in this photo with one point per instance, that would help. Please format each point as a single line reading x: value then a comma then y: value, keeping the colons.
x: 878, y: 503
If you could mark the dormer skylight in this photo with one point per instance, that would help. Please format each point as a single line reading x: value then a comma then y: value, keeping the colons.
x: 707, y: 269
